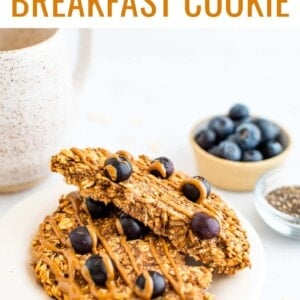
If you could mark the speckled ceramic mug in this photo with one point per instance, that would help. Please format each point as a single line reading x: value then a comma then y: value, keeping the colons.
x: 36, y: 100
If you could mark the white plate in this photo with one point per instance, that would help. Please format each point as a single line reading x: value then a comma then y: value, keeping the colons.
x: 19, y: 225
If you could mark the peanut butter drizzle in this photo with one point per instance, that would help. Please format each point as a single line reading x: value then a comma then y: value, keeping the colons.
x: 69, y: 285
x: 127, y: 155
x: 109, y: 267
x: 166, y: 250
x: 131, y: 258
x: 216, y: 214
x: 125, y: 246
x: 48, y: 245
x: 76, y: 203
x: 174, y: 284
x: 205, y: 209
x: 98, y: 294
x: 56, y: 230
x: 73, y: 262
x: 174, y: 205
x: 54, y: 268
x: 84, y: 158
x: 65, y: 284
x: 87, y: 277
x: 158, y: 166
x: 102, y: 152
x: 114, y: 259
x: 110, y: 284
x: 199, y: 185
x: 119, y: 227
x: 93, y: 234
x: 91, y: 228
x: 74, y: 291
x: 171, y: 183
x: 145, y: 294
x: 147, y: 291
x: 111, y: 170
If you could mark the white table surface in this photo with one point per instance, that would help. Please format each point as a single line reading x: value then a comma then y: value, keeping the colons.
x: 146, y: 88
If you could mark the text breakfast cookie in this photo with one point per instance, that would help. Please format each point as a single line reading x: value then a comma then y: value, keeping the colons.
x: 87, y: 251
x: 169, y: 202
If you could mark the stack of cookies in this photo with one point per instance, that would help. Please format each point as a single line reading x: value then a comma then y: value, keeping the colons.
x: 135, y: 229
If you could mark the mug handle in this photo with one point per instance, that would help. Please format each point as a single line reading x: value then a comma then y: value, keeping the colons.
x: 83, y: 60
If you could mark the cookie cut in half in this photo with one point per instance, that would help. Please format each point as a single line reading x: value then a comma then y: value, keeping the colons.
x: 79, y: 254
x: 171, y: 203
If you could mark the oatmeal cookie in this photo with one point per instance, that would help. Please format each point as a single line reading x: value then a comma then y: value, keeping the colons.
x: 88, y: 251
x: 158, y: 200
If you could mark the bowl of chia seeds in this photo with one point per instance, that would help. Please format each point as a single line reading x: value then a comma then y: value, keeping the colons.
x: 277, y: 199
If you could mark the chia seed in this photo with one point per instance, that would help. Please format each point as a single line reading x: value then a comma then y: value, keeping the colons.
x: 286, y: 199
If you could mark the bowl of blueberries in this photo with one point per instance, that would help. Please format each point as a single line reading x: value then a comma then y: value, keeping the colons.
x: 233, y: 151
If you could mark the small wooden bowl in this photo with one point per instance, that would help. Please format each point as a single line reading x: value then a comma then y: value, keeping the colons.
x: 232, y: 175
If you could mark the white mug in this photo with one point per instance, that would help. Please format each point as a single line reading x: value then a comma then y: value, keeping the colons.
x: 36, y: 101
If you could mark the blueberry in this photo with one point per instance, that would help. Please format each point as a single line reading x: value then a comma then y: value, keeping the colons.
x: 229, y: 150
x: 271, y: 149
x: 238, y: 112
x: 117, y: 169
x: 161, y: 167
x: 204, y: 226
x: 269, y: 130
x: 132, y: 228
x: 81, y: 240
x: 96, y: 266
x: 205, y: 184
x: 98, y: 209
x: 192, y: 262
x: 222, y: 126
x: 252, y: 155
x: 215, y: 150
x: 196, y: 189
x: 231, y: 138
x: 243, y: 121
x: 205, y: 138
x: 158, y: 283
x: 190, y: 191
x: 248, y: 136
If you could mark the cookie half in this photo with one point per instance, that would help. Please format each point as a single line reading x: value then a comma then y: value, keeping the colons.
x: 82, y: 251
x: 160, y: 204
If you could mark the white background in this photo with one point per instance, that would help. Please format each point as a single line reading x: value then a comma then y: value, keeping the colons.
x: 146, y: 89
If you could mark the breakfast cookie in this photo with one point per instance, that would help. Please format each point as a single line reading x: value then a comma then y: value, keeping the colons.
x: 196, y: 221
x: 87, y: 250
